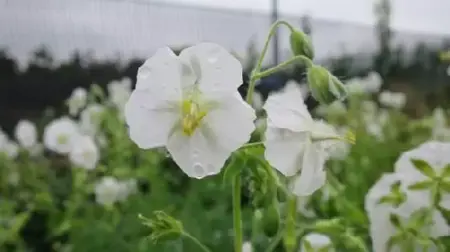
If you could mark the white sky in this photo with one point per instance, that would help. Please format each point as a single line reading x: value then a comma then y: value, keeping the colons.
x: 416, y: 15
x: 130, y: 28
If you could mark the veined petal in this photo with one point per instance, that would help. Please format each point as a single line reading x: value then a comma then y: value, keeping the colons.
x: 312, y: 175
x: 148, y: 128
x: 162, y: 76
x: 287, y: 110
x: 197, y: 155
x: 231, y: 122
x: 218, y: 72
x: 285, y: 149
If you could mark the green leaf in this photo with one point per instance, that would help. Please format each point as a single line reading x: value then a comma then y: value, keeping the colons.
x: 422, y: 185
x: 424, y: 167
x: 446, y: 171
x: 395, y: 220
x: 393, y: 241
x: 445, y: 186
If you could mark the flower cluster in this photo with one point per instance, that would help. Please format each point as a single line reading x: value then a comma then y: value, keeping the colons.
x: 190, y: 104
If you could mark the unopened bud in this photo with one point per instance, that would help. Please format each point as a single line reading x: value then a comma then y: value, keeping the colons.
x: 325, y: 87
x: 301, y: 44
x: 271, y: 220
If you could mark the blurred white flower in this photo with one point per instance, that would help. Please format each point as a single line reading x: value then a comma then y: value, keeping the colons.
x: 109, y: 190
x: 437, y: 155
x: 128, y: 187
x: 315, y: 242
x: 84, y: 153
x: 60, y: 134
x: 386, y: 197
x: 119, y: 92
x: 247, y: 247
x: 373, y: 82
x: 90, y: 118
x: 26, y: 134
x: 190, y: 104
x: 354, y: 86
x: 293, y: 141
x: 9, y: 148
x: 336, y: 108
x: 340, y: 150
x: 440, y: 130
x: 395, y: 100
x: 77, y: 100
x: 375, y: 129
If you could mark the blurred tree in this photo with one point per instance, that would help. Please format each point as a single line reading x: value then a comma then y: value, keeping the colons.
x: 382, y: 64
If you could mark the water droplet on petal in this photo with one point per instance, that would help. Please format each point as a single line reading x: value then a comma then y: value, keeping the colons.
x: 198, y: 171
x: 144, y: 72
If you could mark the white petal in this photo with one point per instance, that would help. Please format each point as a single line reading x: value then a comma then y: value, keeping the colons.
x: 148, y: 128
x: 231, y: 122
x: 312, y: 175
x: 198, y: 155
x: 380, y: 189
x: 217, y: 71
x: 284, y: 149
x: 286, y: 109
x: 162, y: 76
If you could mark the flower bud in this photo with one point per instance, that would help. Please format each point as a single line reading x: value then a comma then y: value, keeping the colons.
x: 301, y: 44
x: 271, y: 220
x: 325, y: 87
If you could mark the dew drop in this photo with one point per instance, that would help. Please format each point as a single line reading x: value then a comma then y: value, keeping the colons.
x: 198, y: 170
x: 144, y: 72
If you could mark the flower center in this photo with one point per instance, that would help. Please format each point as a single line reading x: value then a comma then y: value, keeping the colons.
x: 62, y: 139
x: 192, y: 115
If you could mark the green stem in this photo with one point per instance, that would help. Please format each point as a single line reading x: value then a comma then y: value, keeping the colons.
x: 252, y: 83
x: 275, y: 241
x: 299, y: 58
x: 237, y: 215
x: 290, y: 237
x: 197, y: 242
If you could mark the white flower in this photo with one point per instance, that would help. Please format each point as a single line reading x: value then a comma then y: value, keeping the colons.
x: 77, y: 100
x: 59, y: 135
x: 373, y: 82
x: 293, y: 141
x: 84, y: 153
x: 190, y: 104
x: 395, y: 100
x: 336, y: 108
x: 354, y: 86
x: 247, y: 247
x: 316, y: 242
x: 26, y: 134
x: 119, y: 92
x: 128, y: 187
x: 10, y: 149
x: 293, y: 85
x: 402, y: 203
x: 109, y: 190
x: 90, y: 118
x: 436, y: 154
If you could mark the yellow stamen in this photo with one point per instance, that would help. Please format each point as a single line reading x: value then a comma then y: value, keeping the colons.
x: 192, y: 116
